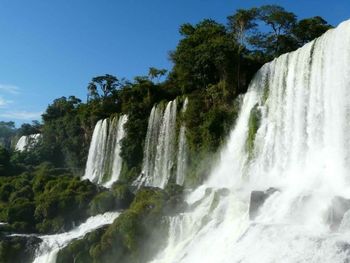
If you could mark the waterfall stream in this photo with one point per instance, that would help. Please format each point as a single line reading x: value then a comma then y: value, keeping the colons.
x: 27, y: 142
x: 49, y: 248
x: 162, y: 157
x: 301, y: 105
x: 104, y: 162
x: 182, y: 154
x: 159, y: 154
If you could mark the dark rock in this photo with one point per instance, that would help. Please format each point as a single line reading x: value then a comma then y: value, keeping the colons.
x: 339, y: 206
x: 18, y: 248
x: 257, y: 199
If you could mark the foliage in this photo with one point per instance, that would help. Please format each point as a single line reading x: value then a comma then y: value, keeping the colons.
x: 135, y: 236
x: 46, y: 200
x: 284, y: 32
x: 107, y: 84
x: 18, y: 249
x: 5, y: 165
x: 242, y: 23
x: 28, y: 129
x: 308, y: 29
x: 253, y: 126
x: 155, y: 73
x: 119, y: 197
x: 7, y: 131
x: 205, y: 56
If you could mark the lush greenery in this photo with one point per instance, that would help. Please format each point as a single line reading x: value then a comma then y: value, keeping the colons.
x: 45, y: 200
x: 18, y: 249
x: 135, y: 236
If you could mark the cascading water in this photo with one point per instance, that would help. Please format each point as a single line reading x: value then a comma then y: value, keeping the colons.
x: 27, y: 142
x: 159, y: 153
x: 115, y: 159
x: 182, y: 151
x: 300, y: 103
x: 104, y: 162
x: 52, y: 244
x: 164, y: 162
x: 94, y: 164
x: 150, y: 150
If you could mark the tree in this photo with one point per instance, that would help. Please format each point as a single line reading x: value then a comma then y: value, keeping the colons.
x: 107, y: 84
x: 279, y: 39
x: 241, y: 23
x: 4, y: 162
x: 308, y: 29
x: 204, y: 56
x: 27, y: 128
x: 7, y: 131
x: 155, y: 73
x: 278, y: 18
x: 7, y: 128
x: 92, y: 91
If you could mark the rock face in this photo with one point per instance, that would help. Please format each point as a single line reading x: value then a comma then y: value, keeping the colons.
x: 18, y: 248
x: 257, y: 199
x: 339, y: 206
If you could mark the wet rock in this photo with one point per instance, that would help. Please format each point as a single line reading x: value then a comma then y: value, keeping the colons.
x: 339, y: 206
x: 18, y: 248
x: 257, y: 199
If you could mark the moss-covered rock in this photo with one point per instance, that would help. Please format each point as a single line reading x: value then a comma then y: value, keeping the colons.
x: 253, y: 126
x: 135, y: 236
x: 116, y: 198
x: 18, y: 249
x: 78, y: 251
x: 44, y: 200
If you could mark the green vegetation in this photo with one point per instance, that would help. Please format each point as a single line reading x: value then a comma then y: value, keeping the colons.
x: 45, y: 200
x: 49, y: 200
x: 135, y: 236
x: 284, y: 32
x: 253, y: 126
x: 119, y: 197
x: 18, y: 249
x: 7, y: 131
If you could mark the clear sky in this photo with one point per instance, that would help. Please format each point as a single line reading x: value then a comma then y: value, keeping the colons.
x: 52, y: 48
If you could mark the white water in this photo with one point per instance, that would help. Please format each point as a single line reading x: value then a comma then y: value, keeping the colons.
x: 159, y: 155
x: 116, y: 159
x: 182, y: 154
x: 301, y: 147
x: 27, y: 142
x: 52, y: 244
x: 104, y: 162
x: 94, y: 164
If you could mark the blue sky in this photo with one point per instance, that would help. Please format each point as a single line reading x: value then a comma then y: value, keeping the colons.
x: 50, y: 49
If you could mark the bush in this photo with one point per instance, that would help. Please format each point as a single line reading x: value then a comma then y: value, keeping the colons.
x: 253, y: 124
x: 21, y: 211
x: 135, y: 236
x: 102, y: 203
x: 18, y: 249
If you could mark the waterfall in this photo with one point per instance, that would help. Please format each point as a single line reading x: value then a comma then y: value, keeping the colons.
x: 52, y: 244
x: 27, y: 142
x: 181, y: 167
x: 292, y: 134
x: 159, y: 153
x: 95, y: 163
x: 104, y: 162
x: 150, y: 150
x: 117, y: 160
x: 164, y: 162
